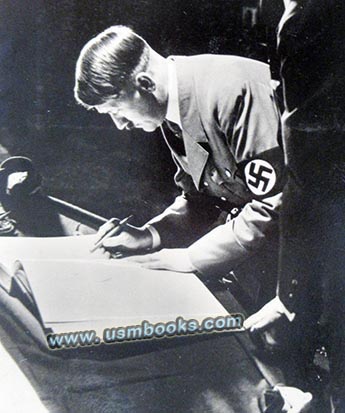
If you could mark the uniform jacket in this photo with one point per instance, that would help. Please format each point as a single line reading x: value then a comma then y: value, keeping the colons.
x: 311, y: 48
x: 231, y: 158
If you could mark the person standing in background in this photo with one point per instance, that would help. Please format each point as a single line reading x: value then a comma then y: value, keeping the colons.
x: 311, y: 285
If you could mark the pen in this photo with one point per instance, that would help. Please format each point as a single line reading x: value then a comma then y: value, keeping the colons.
x: 112, y: 232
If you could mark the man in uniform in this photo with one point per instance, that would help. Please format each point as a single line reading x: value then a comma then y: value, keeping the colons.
x: 225, y: 144
x: 311, y: 283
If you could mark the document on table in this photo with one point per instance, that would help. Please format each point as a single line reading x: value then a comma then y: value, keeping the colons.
x: 75, y: 290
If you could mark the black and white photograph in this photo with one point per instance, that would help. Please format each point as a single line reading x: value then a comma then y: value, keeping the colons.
x: 172, y: 206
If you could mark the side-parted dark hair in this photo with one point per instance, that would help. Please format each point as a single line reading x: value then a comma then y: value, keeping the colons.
x: 107, y: 63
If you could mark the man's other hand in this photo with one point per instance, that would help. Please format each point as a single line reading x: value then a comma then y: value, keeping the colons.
x: 273, y: 323
x: 130, y: 238
x: 295, y: 400
x: 174, y: 259
x: 266, y: 317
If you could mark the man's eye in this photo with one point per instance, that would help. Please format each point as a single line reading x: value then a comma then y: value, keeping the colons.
x: 116, y: 96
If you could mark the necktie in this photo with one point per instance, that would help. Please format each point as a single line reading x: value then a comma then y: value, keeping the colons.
x: 174, y: 137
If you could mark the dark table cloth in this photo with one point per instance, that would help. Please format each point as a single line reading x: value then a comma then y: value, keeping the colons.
x: 206, y: 373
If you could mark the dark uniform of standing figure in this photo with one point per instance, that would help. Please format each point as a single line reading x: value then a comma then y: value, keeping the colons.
x: 312, y: 268
x: 311, y: 283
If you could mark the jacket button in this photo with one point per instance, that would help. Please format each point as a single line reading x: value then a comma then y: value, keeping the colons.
x: 290, y: 295
x: 227, y: 173
x: 294, y: 282
x: 205, y: 183
x: 223, y: 198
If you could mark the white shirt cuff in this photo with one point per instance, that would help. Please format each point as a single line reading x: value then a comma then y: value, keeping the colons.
x: 156, y: 239
x: 281, y: 308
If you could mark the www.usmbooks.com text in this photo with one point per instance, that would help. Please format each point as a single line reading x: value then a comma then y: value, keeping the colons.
x: 146, y: 330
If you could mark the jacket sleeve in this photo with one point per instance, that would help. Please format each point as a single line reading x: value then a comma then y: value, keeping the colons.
x: 254, y: 136
x: 227, y: 245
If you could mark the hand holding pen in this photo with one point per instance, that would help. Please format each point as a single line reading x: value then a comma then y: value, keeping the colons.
x: 112, y: 232
x: 122, y: 237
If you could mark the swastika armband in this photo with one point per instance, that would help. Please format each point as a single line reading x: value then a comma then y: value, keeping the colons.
x: 260, y: 176
x: 264, y: 175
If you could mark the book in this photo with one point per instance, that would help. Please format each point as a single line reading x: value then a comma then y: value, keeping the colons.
x: 68, y: 289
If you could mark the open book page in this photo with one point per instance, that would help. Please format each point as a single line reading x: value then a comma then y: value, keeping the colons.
x: 73, y: 247
x: 73, y: 295
x: 74, y: 289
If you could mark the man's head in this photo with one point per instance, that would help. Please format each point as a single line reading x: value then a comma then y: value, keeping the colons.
x: 118, y: 73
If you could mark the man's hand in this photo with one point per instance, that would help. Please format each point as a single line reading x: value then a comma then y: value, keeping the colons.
x: 286, y: 399
x: 273, y: 321
x: 175, y: 259
x: 295, y: 400
x: 129, y: 239
x: 266, y: 317
x: 101, y: 253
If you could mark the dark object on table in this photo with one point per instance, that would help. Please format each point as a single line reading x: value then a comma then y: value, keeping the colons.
x: 18, y: 179
x: 32, y: 213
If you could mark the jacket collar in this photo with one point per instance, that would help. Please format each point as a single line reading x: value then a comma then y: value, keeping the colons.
x: 192, y: 129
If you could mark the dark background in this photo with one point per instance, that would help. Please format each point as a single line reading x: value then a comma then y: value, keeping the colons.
x: 81, y: 155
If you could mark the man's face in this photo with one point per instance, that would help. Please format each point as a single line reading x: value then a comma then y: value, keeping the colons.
x: 134, y: 109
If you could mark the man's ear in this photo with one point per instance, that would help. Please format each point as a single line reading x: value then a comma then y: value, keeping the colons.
x: 145, y: 82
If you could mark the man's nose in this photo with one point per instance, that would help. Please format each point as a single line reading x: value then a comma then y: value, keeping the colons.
x: 119, y: 121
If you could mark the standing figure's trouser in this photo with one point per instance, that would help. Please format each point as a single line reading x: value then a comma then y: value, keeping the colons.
x: 313, y: 243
